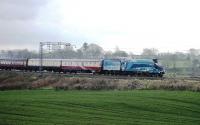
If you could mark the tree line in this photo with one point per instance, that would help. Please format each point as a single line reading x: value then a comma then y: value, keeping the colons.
x: 178, y: 63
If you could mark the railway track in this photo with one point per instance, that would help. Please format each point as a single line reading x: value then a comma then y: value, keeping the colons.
x: 89, y: 75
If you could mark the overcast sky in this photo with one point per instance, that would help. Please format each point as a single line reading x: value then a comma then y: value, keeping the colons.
x: 168, y: 25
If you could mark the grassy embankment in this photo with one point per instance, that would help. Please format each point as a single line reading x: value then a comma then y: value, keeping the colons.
x: 152, y: 106
x: 142, y: 107
x: 20, y: 81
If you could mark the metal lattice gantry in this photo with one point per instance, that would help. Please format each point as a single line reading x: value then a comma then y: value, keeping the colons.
x: 50, y: 47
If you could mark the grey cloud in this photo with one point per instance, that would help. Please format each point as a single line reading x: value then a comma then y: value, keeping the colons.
x: 21, y: 25
x: 17, y: 22
x: 28, y: 34
x: 20, y: 9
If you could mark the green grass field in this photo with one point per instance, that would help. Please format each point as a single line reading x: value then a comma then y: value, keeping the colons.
x: 142, y: 107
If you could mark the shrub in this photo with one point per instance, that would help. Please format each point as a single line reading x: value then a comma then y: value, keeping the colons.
x: 10, y: 80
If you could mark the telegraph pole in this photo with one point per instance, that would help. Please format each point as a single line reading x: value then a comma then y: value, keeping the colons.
x: 50, y: 46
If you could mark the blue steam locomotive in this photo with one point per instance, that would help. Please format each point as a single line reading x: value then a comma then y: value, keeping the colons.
x: 139, y: 67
